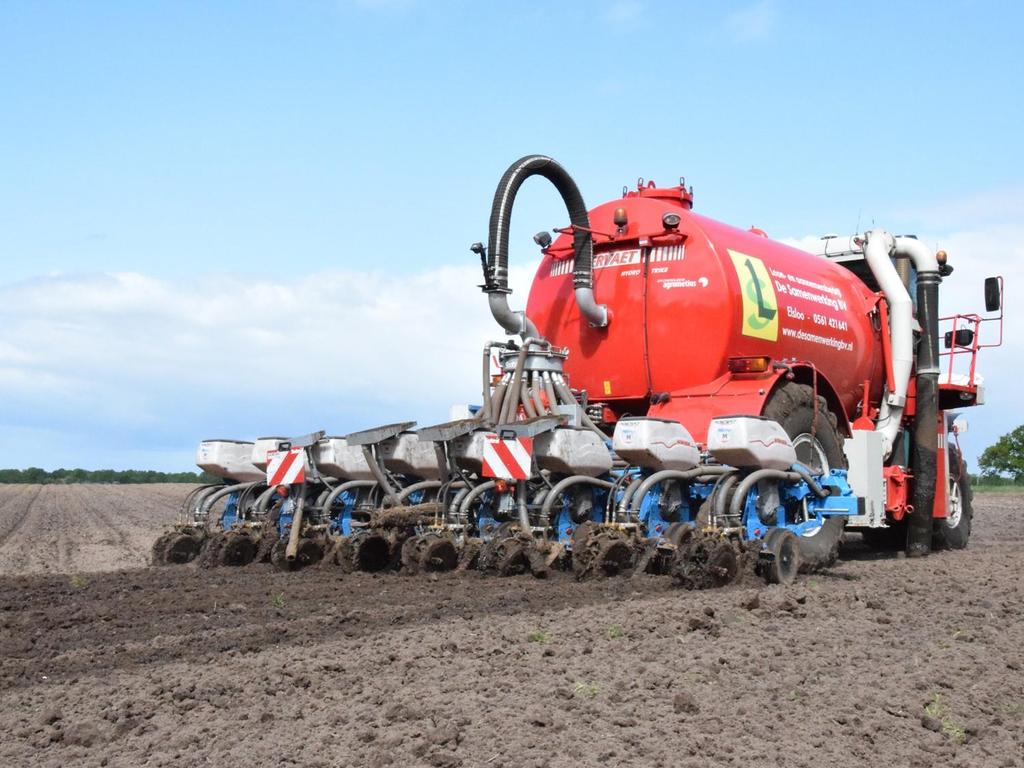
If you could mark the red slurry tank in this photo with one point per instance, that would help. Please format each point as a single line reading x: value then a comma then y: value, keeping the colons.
x: 690, y: 299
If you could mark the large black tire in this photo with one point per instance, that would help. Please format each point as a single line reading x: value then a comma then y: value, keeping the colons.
x: 892, y: 538
x: 792, y: 406
x: 955, y: 531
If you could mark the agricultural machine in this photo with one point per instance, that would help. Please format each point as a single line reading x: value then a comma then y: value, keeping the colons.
x: 679, y: 396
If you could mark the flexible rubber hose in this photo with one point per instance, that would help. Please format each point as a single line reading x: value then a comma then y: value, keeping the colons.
x: 424, y: 485
x: 926, y: 417
x: 347, y: 486
x: 669, y: 474
x: 748, y: 482
x: 472, y: 496
x: 562, y: 485
x: 501, y: 217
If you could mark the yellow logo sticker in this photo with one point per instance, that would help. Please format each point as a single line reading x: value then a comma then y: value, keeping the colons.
x: 760, y: 307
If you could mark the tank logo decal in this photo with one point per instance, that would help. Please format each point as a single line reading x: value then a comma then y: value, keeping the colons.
x: 621, y: 258
x: 760, y: 305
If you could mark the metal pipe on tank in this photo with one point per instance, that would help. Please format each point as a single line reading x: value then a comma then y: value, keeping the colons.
x: 878, y: 250
x: 485, y: 402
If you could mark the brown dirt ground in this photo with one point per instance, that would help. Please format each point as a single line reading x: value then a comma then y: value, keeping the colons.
x: 183, y: 667
x: 71, y: 528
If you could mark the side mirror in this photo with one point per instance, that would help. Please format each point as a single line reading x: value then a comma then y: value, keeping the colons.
x: 960, y: 425
x: 993, y: 294
x: 964, y: 338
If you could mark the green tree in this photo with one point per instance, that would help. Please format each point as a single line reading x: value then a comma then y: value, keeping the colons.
x: 1006, y: 457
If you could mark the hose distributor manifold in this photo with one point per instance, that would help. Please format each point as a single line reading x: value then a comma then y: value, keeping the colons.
x: 496, y: 262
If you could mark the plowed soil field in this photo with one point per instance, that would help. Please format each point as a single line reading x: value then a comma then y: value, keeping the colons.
x: 880, y: 661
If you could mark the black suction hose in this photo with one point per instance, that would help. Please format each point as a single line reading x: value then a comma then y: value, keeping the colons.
x: 496, y: 275
x: 926, y: 418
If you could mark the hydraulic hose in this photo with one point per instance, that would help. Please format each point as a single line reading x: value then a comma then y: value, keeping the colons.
x: 669, y: 474
x: 264, y: 501
x: 213, y: 498
x: 496, y: 279
x: 425, y: 485
x: 535, y: 387
x: 470, y: 497
x: 748, y: 482
x: 336, y: 492
x: 720, y: 493
x: 806, y: 476
x: 562, y: 485
x: 187, y: 512
x: 527, y: 400
x: 512, y: 396
x: 567, y: 397
x: 627, y: 495
x: 497, y: 400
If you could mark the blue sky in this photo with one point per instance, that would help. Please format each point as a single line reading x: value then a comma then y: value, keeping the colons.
x: 173, y: 174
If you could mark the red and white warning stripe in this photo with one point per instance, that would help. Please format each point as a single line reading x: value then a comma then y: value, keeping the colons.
x: 286, y: 467
x: 507, y: 459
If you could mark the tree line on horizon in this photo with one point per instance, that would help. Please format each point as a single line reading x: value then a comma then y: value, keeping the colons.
x: 999, y: 464
x: 37, y: 476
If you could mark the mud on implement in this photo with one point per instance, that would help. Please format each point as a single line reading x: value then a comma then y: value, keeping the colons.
x: 679, y: 397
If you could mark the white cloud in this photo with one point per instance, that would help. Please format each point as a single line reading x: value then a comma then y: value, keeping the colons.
x: 132, y: 359
x: 753, y: 22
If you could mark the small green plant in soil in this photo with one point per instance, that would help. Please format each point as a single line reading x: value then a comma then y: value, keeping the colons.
x: 586, y: 690
x: 539, y: 636
x: 278, y: 601
x: 615, y: 631
x: 951, y: 729
x: 78, y: 581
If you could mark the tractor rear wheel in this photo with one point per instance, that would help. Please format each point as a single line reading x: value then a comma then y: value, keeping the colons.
x: 954, y: 531
x: 812, y: 428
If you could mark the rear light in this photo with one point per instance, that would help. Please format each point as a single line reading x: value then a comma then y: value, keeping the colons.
x: 750, y: 364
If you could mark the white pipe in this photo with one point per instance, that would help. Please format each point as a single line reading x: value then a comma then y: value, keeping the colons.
x: 919, y: 253
x: 878, y: 250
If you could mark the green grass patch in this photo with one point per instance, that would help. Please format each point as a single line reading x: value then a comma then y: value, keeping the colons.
x: 586, y: 690
x: 951, y: 729
x: 539, y: 636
